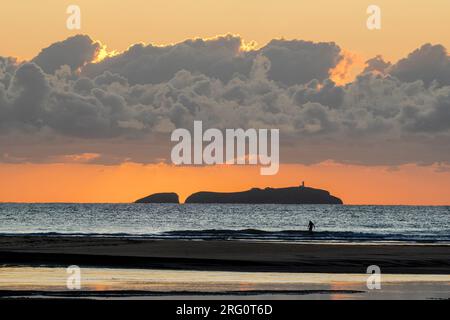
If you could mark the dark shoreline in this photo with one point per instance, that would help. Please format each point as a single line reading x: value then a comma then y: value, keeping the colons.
x: 138, y: 293
x: 223, y: 255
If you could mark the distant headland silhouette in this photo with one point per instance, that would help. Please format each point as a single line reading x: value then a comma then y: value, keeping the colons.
x: 169, y: 197
x: 289, y: 195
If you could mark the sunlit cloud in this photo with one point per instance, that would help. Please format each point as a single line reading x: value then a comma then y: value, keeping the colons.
x: 103, y: 53
x: 348, y: 68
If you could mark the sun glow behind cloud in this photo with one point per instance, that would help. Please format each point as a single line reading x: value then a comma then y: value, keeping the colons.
x: 348, y: 68
x: 103, y: 53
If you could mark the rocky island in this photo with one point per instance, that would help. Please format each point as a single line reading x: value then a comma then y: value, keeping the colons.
x: 289, y: 195
x: 169, y: 197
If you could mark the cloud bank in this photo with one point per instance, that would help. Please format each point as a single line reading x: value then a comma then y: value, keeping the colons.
x: 61, y: 105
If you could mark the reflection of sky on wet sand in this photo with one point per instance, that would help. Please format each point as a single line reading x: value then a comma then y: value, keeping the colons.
x: 100, y: 279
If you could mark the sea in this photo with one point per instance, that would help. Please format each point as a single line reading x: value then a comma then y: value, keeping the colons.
x: 334, y: 223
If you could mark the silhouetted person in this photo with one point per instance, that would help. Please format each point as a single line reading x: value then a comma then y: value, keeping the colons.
x: 311, y: 226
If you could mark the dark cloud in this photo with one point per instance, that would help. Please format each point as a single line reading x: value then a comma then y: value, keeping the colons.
x: 7, y: 69
x: 326, y: 93
x: 292, y: 62
x: 377, y: 64
x: 428, y: 63
x: 27, y: 92
x: 75, y: 52
x: 125, y: 107
x: 219, y: 58
x: 434, y: 116
x: 298, y: 62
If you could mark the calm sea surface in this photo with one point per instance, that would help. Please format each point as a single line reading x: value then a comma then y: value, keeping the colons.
x: 210, y: 221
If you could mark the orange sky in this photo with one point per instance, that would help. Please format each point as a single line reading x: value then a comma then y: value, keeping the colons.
x: 408, y: 184
x: 28, y: 26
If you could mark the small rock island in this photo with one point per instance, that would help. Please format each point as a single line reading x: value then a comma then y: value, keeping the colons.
x: 168, y: 197
x: 289, y: 195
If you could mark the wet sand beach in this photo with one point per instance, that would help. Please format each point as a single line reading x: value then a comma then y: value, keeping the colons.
x: 243, y: 256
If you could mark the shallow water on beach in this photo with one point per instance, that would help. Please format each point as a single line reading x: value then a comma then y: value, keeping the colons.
x: 165, y: 283
x: 226, y: 222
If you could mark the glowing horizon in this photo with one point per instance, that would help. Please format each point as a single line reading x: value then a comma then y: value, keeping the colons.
x: 91, y: 165
x: 88, y: 183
